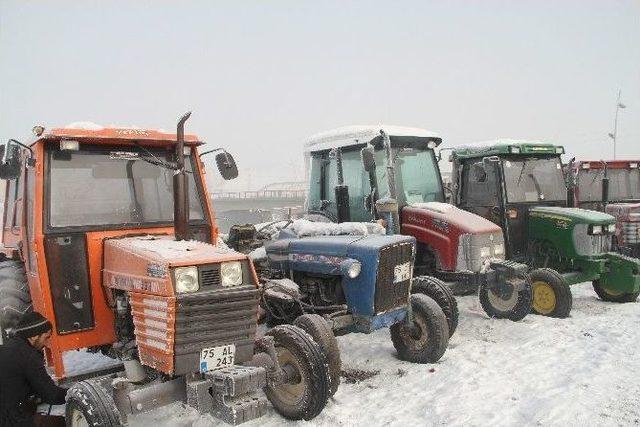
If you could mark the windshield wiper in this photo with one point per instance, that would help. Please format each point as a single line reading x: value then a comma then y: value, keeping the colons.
x: 524, y: 165
x: 537, y: 185
x: 156, y: 161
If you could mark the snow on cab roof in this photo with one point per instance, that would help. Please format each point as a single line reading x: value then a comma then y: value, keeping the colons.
x: 502, y: 142
x: 86, y: 130
x: 349, y: 135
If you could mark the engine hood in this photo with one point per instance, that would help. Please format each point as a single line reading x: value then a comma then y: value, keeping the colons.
x: 339, y: 246
x: 444, y: 215
x: 576, y: 215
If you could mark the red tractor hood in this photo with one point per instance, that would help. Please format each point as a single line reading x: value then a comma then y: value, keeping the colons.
x: 446, y: 215
x: 439, y: 227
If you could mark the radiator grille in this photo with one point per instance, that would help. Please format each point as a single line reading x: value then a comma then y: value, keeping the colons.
x: 209, y: 275
x: 391, y: 295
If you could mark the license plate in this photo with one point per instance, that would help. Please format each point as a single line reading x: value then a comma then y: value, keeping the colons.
x: 402, y: 272
x: 217, y: 357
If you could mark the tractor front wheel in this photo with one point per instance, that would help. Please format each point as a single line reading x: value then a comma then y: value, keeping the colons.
x: 551, y: 293
x: 305, y: 393
x: 321, y: 332
x: 513, y: 303
x: 613, y: 296
x: 426, y: 339
x: 90, y: 404
x: 438, y: 291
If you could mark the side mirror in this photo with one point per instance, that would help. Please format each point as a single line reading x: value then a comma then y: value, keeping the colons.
x: 226, y: 165
x: 368, y: 159
x: 10, y: 164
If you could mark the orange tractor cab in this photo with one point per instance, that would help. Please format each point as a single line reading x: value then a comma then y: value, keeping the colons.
x: 110, y: 234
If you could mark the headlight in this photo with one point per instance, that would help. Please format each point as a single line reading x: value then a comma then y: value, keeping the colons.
x: 231, y: 273
x: 597, y: 229
x: 498, y: 249
x: 186, y: 279
x: 485, y: 252
x: 354, y: 270
x: 611, y: 228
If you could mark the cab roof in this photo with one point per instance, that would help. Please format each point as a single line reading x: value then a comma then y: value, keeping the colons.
x: 354, y: 135
x: 506, y: 146
x: 86, y: 132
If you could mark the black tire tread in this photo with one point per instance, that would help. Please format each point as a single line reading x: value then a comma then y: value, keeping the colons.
x: 15, y: 299
x: 438, y: 332
x: 562, y: 290
x: 604, y: 296
x: 520, y: 310
x: 103, y: 410
x: 438, y: 291
x: 304, y: 346
x: 319, y: 329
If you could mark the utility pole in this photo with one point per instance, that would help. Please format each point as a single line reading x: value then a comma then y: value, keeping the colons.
x: 614, y: 135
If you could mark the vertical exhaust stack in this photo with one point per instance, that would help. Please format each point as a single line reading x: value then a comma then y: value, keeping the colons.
x: 180, y: 187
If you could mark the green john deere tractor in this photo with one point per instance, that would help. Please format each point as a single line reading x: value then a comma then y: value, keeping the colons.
x: 520, y: 186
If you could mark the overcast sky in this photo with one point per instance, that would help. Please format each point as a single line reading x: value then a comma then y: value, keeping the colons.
x: 260, y: 76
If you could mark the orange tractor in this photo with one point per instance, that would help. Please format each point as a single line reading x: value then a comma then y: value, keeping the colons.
x: 110, y: 234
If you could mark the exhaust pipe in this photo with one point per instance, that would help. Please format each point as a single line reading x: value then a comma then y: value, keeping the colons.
x: 180, y: 187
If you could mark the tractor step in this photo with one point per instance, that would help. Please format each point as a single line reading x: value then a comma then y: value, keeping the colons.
x: 230, y: 393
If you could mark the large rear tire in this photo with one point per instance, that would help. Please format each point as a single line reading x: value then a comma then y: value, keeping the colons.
x: 427, y: 339
x: 612, y: 296
x: 514, y: 304
x: 90, y: 404
x: 306, y: 395
x: 15, y: 300
x: 551, y: 293
x: 321, y: 332
x: 438, y: 291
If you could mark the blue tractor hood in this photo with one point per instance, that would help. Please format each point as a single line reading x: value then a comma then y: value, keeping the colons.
x: 332, y: 255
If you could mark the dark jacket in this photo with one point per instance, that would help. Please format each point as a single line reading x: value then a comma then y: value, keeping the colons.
x: 23, y: 375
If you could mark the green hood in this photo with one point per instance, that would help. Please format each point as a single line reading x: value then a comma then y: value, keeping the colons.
x: 575, y: 215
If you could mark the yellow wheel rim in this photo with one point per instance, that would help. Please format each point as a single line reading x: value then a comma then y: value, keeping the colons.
x: 612, y: 293
x: 544, y: 298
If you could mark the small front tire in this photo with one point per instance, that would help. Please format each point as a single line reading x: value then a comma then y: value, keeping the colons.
x: 551, y: 293
x: 427, y: 339
x: 612, y: 296
x: 321, y: 332
x: 438, y: 291
x: 513, y: 305
x: 306, y: 395
x: 91, y: 404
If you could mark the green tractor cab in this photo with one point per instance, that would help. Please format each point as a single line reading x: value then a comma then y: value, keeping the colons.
x: 520, y: 186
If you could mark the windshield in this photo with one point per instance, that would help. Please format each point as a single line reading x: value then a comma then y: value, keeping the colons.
x: 624, y: 184
x: 417, y: 176
x: 96, y: 186
x: 534, y: 180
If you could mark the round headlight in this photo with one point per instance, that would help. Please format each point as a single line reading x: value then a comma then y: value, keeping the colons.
x: 611, y: 228
x: 354, y: 270
x: 186, y: 279
x: 498, y: 249
x: 231, y: 273
x: 485, y: 252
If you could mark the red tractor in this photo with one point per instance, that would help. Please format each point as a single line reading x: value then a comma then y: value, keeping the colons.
x: 611, y: 186
x: 109, y: 233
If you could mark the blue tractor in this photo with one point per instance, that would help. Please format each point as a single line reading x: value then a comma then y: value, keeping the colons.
x: 358, y: 282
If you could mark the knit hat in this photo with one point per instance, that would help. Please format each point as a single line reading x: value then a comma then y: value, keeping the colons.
x: 32, y: 324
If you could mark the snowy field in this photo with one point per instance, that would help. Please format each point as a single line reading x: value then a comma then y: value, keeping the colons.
x: 541, y: 371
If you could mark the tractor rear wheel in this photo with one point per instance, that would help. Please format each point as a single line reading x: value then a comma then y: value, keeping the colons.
x: 14, y: 293
x: 551, y: 293
x: 426, y: 340
x: 321, y: 332
x: 90, y: 404
x: 613, y: 296
x: 514, y: 304
x: 438, y: 291
x: 306, y: 393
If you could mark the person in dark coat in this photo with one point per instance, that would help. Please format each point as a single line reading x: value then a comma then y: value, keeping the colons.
x: 23, y: 377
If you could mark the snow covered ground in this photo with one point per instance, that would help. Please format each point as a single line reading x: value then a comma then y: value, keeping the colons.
x: 541, y: 371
